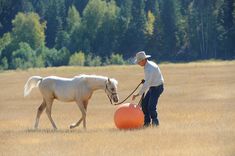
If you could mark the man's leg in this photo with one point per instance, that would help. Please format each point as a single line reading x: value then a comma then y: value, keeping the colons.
x: 153, y: 101
x: 145, y: 109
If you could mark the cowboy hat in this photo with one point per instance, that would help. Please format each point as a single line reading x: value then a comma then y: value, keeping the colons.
x: 141, y: 56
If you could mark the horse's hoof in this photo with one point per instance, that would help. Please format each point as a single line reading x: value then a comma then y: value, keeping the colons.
x: 72, y: 126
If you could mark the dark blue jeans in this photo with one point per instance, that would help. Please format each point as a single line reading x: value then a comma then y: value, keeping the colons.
x: 149, y: 104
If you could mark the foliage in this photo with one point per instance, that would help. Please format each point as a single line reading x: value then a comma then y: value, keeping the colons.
x: 150, y: 23
x: 55, y: 57
x: 169, y: 30
x: 135, y: 38
x: 27, y: 28
x: 4, y: 41
x: 73, y: 20
x: 92, y: 60
x: 116, y: 59
x: 4, y: 64
x: 24, y: 57
x: 77, y: 59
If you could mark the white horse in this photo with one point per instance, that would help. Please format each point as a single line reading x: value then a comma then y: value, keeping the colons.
x: 78, y: 89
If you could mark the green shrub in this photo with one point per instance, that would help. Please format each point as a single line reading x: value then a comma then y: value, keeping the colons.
x: 4, y: 64
x: 116, y: 59
x: 93, y: 60
x: 56, y: 57
x: 24, y: 57
x: 77, y: 59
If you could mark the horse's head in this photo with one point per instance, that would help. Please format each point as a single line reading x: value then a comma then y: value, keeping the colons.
x: 111, y: 90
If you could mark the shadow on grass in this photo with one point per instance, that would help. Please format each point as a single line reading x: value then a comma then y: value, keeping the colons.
x: 97, y: 130
x: 52, y: 131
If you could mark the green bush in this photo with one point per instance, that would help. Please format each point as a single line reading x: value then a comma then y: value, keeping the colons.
x: 77, y: 59
x: 116, y: 59
x: 4, y: 64
x: 24, y: 57
x: 56, y: 57
x: 40, y: 62
x: 93, y: 60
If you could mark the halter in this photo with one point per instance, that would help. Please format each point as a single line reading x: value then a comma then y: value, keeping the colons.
x: 112, y: 93
x: 106, y: 88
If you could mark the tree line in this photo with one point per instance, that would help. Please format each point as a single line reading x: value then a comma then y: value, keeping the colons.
x: 45, y: 33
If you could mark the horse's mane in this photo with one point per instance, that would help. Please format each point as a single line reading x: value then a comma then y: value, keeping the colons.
x: 99, y: 77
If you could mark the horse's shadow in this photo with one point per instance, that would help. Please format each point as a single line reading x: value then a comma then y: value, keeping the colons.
x: 69, y: 130
x: 51, y: 131
x: 97, y: 130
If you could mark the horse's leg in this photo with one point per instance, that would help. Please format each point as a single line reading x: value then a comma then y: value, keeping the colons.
x: 85, y: 103
x: 48, y: 111
x: 40, y: 110
x: 76, y: 124
x: 83, y: 111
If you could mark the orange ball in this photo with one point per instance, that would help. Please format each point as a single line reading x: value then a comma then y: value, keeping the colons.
x: 128, y: 116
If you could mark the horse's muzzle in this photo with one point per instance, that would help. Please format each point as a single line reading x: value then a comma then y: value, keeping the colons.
x: 115, y: 99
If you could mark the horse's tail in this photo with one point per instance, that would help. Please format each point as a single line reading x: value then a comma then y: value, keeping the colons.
x: 32, y: 82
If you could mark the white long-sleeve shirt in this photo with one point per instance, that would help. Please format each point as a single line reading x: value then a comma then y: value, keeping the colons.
x: 153, y: 76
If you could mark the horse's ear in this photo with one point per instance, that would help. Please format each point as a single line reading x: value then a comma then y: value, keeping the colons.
x: 109, y: 81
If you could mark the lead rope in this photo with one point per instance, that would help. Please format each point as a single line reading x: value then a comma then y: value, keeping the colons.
x: 142, y: 81
x: 141, y: 99
x: 107, y: 94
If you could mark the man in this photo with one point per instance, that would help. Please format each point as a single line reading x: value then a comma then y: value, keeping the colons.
x: 154, y: 84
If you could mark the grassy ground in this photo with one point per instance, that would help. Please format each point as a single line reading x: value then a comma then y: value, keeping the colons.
x: 196, y: 111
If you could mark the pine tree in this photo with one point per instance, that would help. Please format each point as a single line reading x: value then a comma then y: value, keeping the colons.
x: 106, y: 38
x: 27, y: 6
x: 168, y: 19
x: 80, y: 5
x: 151, y: 5
x: 154, y: 45
x: 92, y: 20
x: 73, y: 20
x: 135, y: 37
x: 55, y: 17
x: 8, y: 10
x: 124, y: 19
x: 40, y: 7
x: 227, y: 29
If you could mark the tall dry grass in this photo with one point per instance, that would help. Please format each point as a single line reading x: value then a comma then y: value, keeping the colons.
x: 196, y: 111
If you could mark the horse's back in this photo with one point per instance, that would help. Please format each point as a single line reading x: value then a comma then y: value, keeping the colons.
x: 56, y: 78
x: 63, y: 89
x: 51, y: 81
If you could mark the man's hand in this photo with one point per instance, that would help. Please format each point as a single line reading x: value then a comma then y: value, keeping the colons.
x: 134, y: 96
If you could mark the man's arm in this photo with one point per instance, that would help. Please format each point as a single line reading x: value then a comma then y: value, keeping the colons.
x: 146, y: 84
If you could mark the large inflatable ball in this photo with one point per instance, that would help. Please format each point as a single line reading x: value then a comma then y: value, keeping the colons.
x: 128, y: 116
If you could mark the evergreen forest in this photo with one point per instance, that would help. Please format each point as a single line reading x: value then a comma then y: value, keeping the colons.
x: 44, y: 33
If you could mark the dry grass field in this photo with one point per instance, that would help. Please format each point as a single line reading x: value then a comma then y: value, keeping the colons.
x: 196, y: 111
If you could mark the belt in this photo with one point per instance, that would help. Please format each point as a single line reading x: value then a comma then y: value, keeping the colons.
x: 156, y: 86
